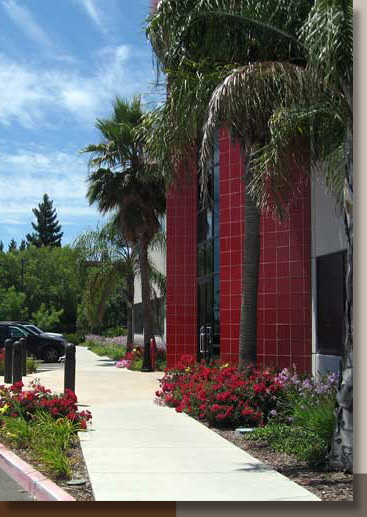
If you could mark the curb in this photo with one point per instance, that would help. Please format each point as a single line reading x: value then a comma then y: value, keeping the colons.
x: 35, y: 483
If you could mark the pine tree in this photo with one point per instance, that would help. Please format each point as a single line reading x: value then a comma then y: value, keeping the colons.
x: 23, y: 245
x: 1, y: 246
x: 12, y: 245
x: 47, y: 229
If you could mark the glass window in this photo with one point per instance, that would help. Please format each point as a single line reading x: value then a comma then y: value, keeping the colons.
x: 216, y: 291
x: 209, y: 223
x: 209, y: 255
x: 216, y: 255
x: 17, y: 333
x: 330, y: 302
x: 201, y: 260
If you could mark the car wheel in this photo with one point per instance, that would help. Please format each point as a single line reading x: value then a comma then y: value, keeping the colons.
x: 51, y: 355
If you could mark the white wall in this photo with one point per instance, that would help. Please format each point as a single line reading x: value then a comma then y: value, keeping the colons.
x: 159, y: 261
x: 327, y: 236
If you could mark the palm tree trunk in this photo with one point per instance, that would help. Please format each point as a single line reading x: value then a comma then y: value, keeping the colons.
x: 250, y: 276
x: 341, y: 454
x: 130, y: 308
x: 147, y: 308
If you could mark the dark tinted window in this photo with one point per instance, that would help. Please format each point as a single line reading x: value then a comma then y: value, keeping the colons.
x: 330, y: 302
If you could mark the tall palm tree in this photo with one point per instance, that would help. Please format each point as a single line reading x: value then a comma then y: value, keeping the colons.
x: 118, y: 181
x: 317, y: 102
x: 185, y: 40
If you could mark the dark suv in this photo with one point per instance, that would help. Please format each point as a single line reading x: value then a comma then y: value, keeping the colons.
x: 41, y: 346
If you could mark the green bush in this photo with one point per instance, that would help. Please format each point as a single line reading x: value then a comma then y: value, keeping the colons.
x: 307, y: 435
x: 74, y: 338
x: 115, y: 332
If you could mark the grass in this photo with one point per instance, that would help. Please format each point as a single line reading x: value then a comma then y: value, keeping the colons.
x: 112, y: 351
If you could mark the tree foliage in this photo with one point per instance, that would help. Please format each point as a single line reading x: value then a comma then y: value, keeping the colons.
x: 47, y: 228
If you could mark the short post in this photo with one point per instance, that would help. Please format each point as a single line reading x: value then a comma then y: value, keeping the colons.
x: 147, y: 365
x: 152, y: 352
x: 8, y: 367
x: 69, y: 369
x: 23, y: 343
x: 17, y: 362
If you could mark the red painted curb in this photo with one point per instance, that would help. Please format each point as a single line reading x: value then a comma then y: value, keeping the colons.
x: 36, y: 484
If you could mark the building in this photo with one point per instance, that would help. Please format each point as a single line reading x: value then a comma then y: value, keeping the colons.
x: 300, y: 294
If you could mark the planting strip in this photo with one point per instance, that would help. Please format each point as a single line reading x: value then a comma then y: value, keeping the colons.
x: 35, y: 483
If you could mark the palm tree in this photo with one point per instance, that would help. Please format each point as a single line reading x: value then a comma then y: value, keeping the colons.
x: 118, y: 182
x: 317, y: 102
x: 115, y: 262
x: 282, y: 101
x: 185, y: 39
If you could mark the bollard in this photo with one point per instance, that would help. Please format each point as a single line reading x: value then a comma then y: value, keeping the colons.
x: 8, y: 367
x: 147, y: 364
x: 23, y: 343
x: 69, y: 368
x: 17, y: 362
x: 153, y: 349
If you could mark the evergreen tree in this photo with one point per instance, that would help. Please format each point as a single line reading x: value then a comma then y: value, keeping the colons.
x: 12, y: 245
x: 47, y: 229
x: 1, y: 246
x: 23, y: 245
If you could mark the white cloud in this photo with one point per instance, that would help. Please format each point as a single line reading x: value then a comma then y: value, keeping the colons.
x: 60, y: 174
x: 93, y: 12
x: 31, y: 96
x: 22, y: 17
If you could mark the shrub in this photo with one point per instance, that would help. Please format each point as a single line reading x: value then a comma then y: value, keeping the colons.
x: 303, y: 423
x: 17, y: 403
x: 73, y: 338
x: 115, y: 332
x: 221, y: 395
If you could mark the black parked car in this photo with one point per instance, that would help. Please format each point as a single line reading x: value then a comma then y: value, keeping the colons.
x: 41, y: 346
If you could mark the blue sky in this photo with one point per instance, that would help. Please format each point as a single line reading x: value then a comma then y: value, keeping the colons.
x: 62, y: 62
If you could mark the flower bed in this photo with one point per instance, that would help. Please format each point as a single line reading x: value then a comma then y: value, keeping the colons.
x: 134, y: 360
x: 43, y: 424
x: 221, y: 395
x: 16, y: 402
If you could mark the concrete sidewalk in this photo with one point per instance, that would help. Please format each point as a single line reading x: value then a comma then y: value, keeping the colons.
x: 139, y: 451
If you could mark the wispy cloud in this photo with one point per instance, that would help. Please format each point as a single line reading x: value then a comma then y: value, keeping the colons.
x: 25, y: 20
x: 34, y: 98
x: 60, y: 174
x: 94, y: 14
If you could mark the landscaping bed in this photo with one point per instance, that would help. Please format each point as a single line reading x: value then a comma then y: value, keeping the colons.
x: 41, y: 428
x: 115, y: 349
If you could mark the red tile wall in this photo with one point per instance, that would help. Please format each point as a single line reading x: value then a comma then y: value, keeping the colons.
x: 231, y: 204
x: 284, y: 295
x: 181, y: 226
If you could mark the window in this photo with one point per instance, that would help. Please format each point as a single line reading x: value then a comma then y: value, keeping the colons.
x: 330, y: 302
